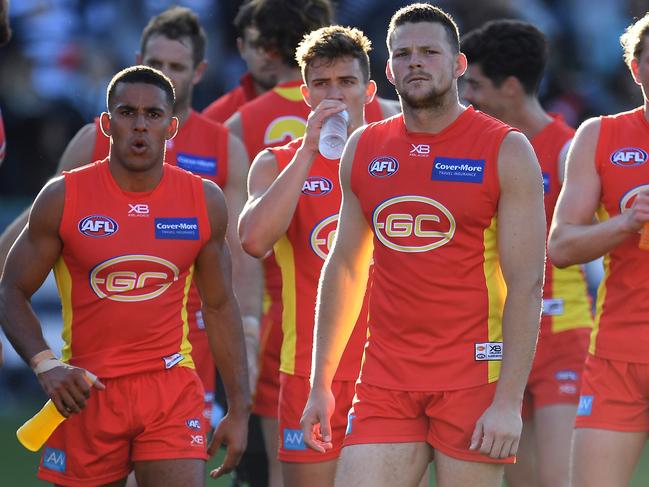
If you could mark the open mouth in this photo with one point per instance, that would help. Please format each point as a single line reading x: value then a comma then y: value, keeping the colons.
x: 139, y: 146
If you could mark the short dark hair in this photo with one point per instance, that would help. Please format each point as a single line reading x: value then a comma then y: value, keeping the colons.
x: 633, y: 39
x: 424, y: 12
x: 334, y: 42
x: 506, y: 48
x: 141, y: 74
x: 177, y: 23
x: 283, y: 23
x: 244, y: 17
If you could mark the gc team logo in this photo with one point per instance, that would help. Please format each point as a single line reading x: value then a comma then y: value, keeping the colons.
x: 629, y: 197
x: 629, y: 157
x: 317, y: 186
x: 322, y: 236
x: 284, y: 129
x: 131, y: 278
x: 383, y: 167
x: 413, y: 224
x: 98, y: 226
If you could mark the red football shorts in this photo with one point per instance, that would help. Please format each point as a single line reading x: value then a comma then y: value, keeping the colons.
x: 445, y: 420
x: 205, y: 367
x: 293, y: 394
x: 556, y: 371
x: 266, y: 398
x: 148, y: 416
x: 614, y: 395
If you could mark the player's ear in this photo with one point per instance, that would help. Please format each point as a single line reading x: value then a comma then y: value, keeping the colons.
x: 461, y: 64
x: 634, y: 71
x: 388, y: 72
x: 199, y: 71
x: 172, y: 130
x: 370, y: 91
x: 304, y: 89
x: 104, y: 123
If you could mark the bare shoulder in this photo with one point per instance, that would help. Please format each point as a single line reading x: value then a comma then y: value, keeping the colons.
x: 234, y: 124
x: 217, y: 211
x: 48, y: 206
x: 516, y: 153
x: 349, y: 153
x: 79, y: 151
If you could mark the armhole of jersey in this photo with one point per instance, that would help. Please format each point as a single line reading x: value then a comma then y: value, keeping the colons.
x: 69, y: 203
x: 224, y: 152
x: 201, y: 208
x: 601, y: 142
x: 498, y: 145
x: 354, y: 178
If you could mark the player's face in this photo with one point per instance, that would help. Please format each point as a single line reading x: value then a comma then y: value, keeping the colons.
x: 640, y: 68
x: 340, y: 79
x: 481, y: 92
x: 422, y: 64
x: 174, y: 58
x: 140, y: 123
x: 263, y: 64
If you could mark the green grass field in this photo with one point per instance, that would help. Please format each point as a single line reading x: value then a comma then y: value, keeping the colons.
x: 18, y: 466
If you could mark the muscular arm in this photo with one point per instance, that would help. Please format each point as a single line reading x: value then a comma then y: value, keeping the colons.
x: 574, y: 237
x: 340, y: 296
x: 76, y: 154
x: 223, y: 326
x: 235, y: 126
x: 521, y: 247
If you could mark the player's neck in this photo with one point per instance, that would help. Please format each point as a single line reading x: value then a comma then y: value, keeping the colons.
x: 182, y: 112
x: 135, y: 181
x: 287, y: 74
x: 646, y: 110
x: 528, y: 116
x: 433, y: 120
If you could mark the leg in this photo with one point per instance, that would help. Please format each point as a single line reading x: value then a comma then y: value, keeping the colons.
x: 270, y: 430
x: 524, y: 472
x: 553, y: 443
x: 189, y: 472
x: 452, y: 472
x: 383, y: 464
x: 118, y: 483
x: 312, y: 474
x: 425, y: 478
x: 605, y: 458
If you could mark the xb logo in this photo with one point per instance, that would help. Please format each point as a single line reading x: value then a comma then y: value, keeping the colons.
x: 323, y: 235
x: 138, y: 209
x: 419, y: 150
x: 413, y: 224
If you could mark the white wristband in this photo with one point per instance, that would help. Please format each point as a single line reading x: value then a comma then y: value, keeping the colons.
x: 48, y: 364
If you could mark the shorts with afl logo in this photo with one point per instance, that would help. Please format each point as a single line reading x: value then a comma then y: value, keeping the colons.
x: 147, y: 416
x: 444, y: 420
x: 556, y: 371
x: 614, y: 395
x: 293, y: 394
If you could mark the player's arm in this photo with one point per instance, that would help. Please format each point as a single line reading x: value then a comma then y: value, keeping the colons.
x: 274, y: 197
x: 235, y: 126
x: 340, y: 297
x: 223, y: 326
x: 521, y: 247
x: 246, y: 271
x: 77, y: 153
x: 389, y: 107
x: 28, y: 264
x: 574, y: 237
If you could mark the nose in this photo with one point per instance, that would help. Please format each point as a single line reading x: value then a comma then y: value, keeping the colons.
x: 334, y: 92
x: 415, y: 59
x: 139, y: 123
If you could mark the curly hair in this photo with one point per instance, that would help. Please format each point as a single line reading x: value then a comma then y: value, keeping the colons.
x: 506, y: 48
x: 424, y: 12
x: 177, y: 23
x: 283, y: 23
x: 334, y: 42
x: 633, y: 37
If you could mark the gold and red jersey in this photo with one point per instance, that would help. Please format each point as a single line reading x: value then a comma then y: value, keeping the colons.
x: 437, y: 294
x: 200, y: 147
x: 566, y: 304
x: 300, y: 254
x: 621, y: 329
x: 224, y: 107
x: 124, y: 278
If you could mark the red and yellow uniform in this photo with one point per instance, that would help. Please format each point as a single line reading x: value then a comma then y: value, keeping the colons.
x: 124, y: 282
x: 437, y: 294
x: 300, y: 254
x: 567, y: 320
x: 201, y: 147
x: 615, y: 390
x: 224, y: 107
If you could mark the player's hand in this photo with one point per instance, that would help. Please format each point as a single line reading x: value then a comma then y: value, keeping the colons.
x: 68, y: 387
x: 638, y: 214
x: 316, y: 419
x: 325, y: 109
x: 232, y: 431
x: 498, y: 431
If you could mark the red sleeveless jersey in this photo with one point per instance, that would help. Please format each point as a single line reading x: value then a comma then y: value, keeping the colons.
x: 124, y: 278
x: 437, y: 295
x: 566, y: 304
x: 621, y: 329
x: 224, y: 107
x: 300, y: 254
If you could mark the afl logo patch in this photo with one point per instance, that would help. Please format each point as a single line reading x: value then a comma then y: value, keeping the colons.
x: 317, y: 186
x: 629, y: 157
x: 383, y: 167
x: 98, y: 226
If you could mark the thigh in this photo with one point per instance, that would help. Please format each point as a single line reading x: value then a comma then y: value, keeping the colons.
x: 604, y: 458
x: 523, y: 473
x: 204, y: 363
x: 320, y: 474
x: 188, y: 472
x: 266, y: 398
x: 452, y: 472
x: 383, y: 465
x: 554, y: 428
